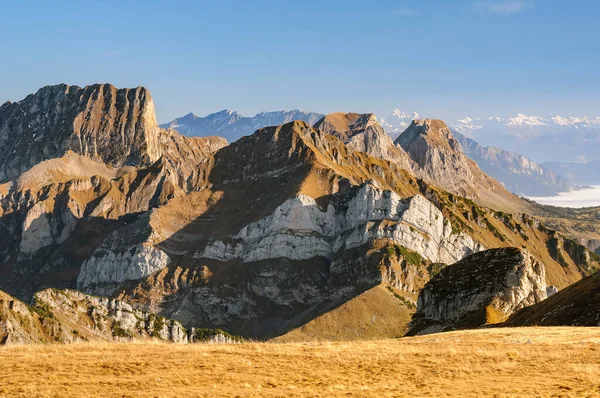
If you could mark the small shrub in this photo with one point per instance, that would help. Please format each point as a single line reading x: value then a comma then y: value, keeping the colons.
x: 118, y: 331
x: 202, y: 334
x: 43, y: 310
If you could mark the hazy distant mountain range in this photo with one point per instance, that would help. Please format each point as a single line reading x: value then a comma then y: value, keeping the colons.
x: 543, y: 139
x: 564, y: 146
x: 519, y: 174
x: 231, y: 125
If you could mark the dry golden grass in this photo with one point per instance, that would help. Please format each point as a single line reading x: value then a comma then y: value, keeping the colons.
x: 495, y: 363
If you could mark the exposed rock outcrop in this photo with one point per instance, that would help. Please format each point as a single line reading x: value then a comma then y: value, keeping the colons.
x: 113, y: 126
x: 441, y: 161
x: 362, y: 132
x: 485, y: 288
x: 68, y: 316
x: 575, y: 305
x: 257, y: 238
x: 299, y: 229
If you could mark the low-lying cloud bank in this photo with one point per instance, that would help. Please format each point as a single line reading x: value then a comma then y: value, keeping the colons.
x: 581, y: 198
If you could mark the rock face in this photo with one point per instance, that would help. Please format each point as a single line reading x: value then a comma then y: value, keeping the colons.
x: 85, y: 162
x: 233, y: 126
x: 518, y: 174
x: 363, y: 133
x: 576, y: 305
x: 485, y: 288
x: 70, y: 316
x: 113, y: 126
x: 299, y: 229
x: 116, y: 127
x: 257, y: 238
x: 441, y: 161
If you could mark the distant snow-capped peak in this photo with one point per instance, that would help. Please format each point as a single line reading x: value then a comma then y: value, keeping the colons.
x: 398, y: 114
x: 522, y: 120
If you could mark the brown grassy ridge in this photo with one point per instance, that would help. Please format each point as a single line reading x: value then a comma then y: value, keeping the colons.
x: 495, y: 362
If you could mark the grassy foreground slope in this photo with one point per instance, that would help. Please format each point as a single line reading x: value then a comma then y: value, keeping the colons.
x: 496, y: 362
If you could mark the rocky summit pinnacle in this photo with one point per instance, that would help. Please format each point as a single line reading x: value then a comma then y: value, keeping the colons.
x: 363, y: 132
x: 441, y: 160
x: 257, y: 237
x: 114, y: 126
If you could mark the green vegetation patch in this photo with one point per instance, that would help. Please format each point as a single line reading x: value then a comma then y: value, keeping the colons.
x: 43, y: 310
x: 203, y: 335
x: 410, y: 256
x: 118, y: 331
x: 402, y: 299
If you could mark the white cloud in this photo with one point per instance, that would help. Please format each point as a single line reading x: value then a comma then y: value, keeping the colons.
x: 503, y: 7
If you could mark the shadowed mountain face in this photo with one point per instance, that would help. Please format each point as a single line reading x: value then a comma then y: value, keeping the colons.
x: 577, y: 305
x: 485, y: 288
x: 263, y: 235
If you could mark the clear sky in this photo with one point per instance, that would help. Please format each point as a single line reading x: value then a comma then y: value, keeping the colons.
x: 445, y: 59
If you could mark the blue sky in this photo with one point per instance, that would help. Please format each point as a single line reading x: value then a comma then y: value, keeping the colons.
x: 444, y: 59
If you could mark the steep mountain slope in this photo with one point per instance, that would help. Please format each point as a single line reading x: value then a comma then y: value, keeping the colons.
x: 113, y: 126
x: 70, y: 316
x: 55, y: 213
x: 485, y: 288
x: 518, y: 174
x: 576, y: 305
x: 232, y: 125
x: 259, y: 237
x: 259, y: 262
x: 375, y: 314
x: 544, y: 139
x: 362, y: 132
x: 439, y: 156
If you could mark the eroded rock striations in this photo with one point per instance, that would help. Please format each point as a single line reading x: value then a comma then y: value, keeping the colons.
x: 257, y: 237
x: 68, y: 316
x: 441, y: 161
x: 485, y: 288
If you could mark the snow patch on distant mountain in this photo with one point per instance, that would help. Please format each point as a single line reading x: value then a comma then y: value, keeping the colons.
x: 232, y: 125
x: 543, y: 139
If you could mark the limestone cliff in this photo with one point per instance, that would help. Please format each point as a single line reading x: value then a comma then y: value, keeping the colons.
x: 485, y: 288
x: 257, y: 237
x: 70, y: 316
x: 113, y: 126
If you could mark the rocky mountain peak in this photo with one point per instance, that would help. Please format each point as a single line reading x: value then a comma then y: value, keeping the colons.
x: 441, y: 160
x: 362, y: 132
x: 433, y: 131
x: 346, y: 125
x: 114, y: 126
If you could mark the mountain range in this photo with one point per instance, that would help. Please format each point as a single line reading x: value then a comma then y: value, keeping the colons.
x: 260, y: 236
x: 232, y: 126
x: 518, y: 174
x: 543, y: 139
